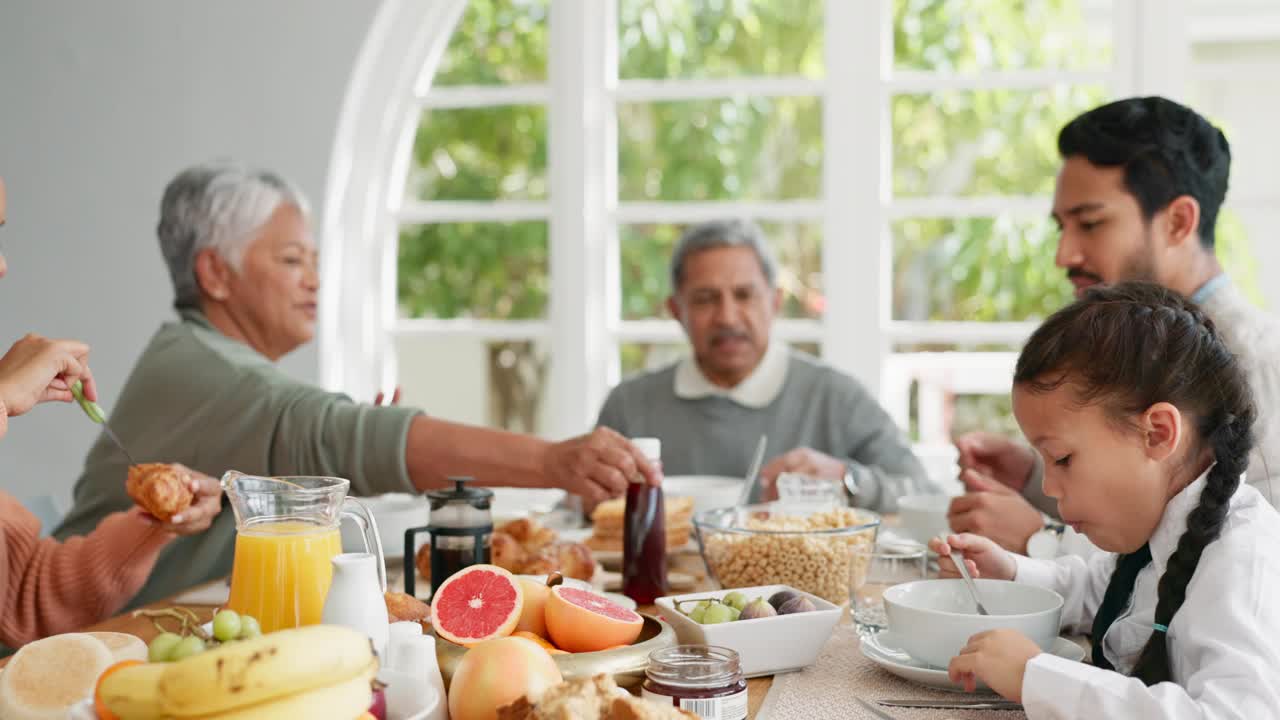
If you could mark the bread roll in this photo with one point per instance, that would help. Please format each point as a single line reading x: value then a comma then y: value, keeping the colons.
x: 123, y: 646
x: 47, y: 677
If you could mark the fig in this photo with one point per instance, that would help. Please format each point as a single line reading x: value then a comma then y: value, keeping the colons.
x: 780, y: 597
x: 797, y: 604
x: 756, y: 609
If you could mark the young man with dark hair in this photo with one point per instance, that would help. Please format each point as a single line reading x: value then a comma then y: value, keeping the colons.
x: 1137, y: 198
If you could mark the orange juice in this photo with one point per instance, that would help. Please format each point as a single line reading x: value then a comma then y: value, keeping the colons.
x: 282, y: 572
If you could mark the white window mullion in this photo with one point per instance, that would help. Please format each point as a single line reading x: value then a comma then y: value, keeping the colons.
x: 457, y: 211
x: 1151, y: 50
x: 459, y: 97
x: 668, y: 90
x: 579, y: 38
x: 695, y: 212
x: 926, y: 81
x: 855, y: 131
x: 968, y: 207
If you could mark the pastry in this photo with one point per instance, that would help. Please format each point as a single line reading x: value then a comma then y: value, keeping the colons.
x: 507, y: 553
x: 160, y: 489
x: 531, y: 550
x: 403, y: 607
x: 531, y: 535
x: 573, y: 560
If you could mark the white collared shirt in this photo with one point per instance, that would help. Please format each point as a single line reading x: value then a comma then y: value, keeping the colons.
x: 1224, y: 643
x: 757, y: 390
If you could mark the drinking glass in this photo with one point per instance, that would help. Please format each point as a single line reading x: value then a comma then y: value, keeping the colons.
x: 873, y: 570
x: 808, y: 491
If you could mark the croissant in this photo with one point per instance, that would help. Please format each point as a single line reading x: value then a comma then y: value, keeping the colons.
x: 531, y: 535
x: 160, y: 489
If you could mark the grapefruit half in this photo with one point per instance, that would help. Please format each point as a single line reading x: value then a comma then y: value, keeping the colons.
x: 478, y: 603
x: 582, y: 621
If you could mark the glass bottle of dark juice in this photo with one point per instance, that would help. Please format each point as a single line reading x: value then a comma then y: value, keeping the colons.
x: 644, y: 533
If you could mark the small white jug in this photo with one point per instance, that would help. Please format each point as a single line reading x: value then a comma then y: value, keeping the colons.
x: 355, y: 599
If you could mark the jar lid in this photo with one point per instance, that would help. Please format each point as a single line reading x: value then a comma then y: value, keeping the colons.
x: 694, y: 666
x: 460, y: 493
x: 650, y: 447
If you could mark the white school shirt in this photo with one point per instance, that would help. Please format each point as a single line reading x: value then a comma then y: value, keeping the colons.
x: 1224, y: 642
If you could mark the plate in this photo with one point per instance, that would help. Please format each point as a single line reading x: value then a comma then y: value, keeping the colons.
x: 884, y: 650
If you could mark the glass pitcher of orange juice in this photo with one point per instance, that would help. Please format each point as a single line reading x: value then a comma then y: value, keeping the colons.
x: 286, y: 539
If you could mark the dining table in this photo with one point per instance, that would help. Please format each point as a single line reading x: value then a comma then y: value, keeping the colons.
x: 840, y: 677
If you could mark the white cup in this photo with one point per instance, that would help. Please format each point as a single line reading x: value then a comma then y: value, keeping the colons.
x: 399, y: 635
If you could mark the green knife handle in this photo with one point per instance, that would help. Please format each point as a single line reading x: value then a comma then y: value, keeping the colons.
x: 90, y: 407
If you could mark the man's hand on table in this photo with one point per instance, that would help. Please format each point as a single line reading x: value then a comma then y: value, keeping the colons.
x: 997, y: 457
x: 994, y: 510
x: 805, y: 461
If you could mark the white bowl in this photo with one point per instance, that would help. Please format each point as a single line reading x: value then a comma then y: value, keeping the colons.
x: 924, y: 517
x: 933, y: 619
x: 708, y: 491
x: 394, y: 513
x: 765, y: 646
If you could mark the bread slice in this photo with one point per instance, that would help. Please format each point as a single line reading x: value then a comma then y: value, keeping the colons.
x: 123, y: 646
x: 46, y: 677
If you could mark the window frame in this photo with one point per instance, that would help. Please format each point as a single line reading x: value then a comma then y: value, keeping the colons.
x: 390, y: 90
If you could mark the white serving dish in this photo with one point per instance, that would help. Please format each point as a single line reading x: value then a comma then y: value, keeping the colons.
x: 924, y: 517
x: 513, y: 503
x: 885, y: 649
x: 933, y: 619
x: 766, y: 646
x: 708, y: 491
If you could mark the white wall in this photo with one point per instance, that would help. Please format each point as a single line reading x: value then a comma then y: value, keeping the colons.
x: 100, y: 104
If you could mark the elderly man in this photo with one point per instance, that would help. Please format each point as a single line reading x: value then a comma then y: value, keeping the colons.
x: 1137, y: 198
x: 710, y: 408
x: 206, y: 391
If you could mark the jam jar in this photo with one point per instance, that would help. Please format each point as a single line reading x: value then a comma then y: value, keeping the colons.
x: 703, y: 679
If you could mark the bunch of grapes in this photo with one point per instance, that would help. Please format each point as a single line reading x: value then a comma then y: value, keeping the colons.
x: 228, y: 626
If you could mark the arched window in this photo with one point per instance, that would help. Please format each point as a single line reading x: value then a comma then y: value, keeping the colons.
x: 510, y: 177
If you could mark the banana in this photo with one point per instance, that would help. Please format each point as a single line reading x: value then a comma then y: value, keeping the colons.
x: 343, y: 700
x: 241, y: 674
x: 133, y: 693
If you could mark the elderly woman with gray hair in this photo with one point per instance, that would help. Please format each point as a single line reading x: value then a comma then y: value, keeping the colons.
x: 207, y: 392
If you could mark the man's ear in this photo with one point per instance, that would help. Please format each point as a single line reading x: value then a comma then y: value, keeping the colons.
x: 1182, y: 220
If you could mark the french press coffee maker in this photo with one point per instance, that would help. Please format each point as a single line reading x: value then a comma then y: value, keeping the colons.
x: 460, y: 527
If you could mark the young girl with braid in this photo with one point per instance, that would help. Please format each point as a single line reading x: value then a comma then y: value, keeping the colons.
x: 1144, y: 421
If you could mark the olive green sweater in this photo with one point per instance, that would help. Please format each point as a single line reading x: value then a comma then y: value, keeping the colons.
x: 214, y: 404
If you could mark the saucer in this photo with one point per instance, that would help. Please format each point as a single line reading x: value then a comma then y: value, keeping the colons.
x: 884, y: 650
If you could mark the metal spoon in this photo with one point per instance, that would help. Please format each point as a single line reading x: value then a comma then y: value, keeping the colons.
x: 958, y: 559
x: 95, y: 414
x: 750, y: 485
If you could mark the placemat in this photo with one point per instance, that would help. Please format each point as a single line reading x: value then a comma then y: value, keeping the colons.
x: 827, y: 689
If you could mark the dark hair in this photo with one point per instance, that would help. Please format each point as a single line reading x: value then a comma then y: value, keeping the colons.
x: 1128, y: 347
x: 1167, y: 150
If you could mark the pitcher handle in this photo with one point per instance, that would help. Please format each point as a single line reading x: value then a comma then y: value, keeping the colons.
x: 368, y: 529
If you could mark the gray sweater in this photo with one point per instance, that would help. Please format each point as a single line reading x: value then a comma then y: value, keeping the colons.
x: 818, y: 407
